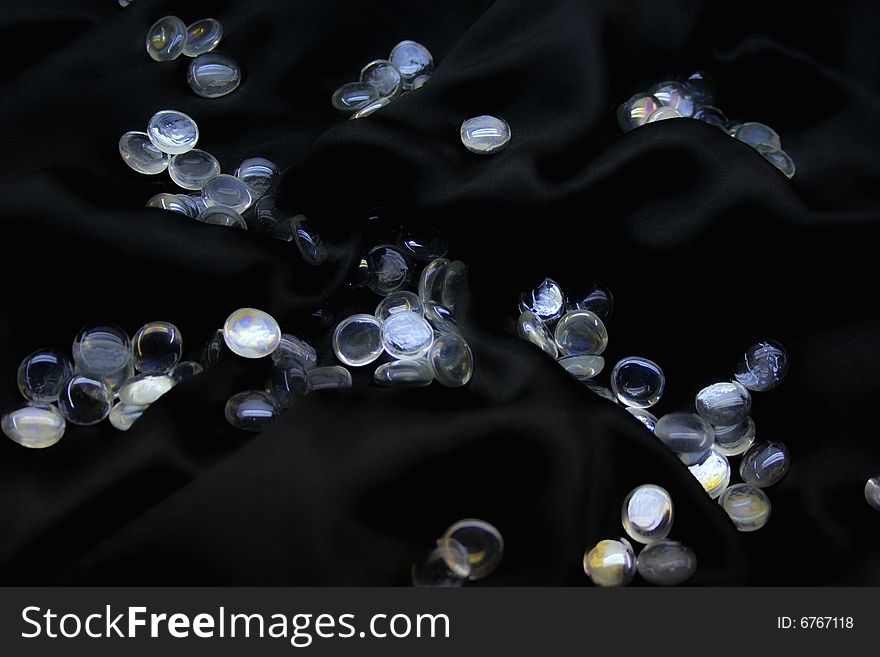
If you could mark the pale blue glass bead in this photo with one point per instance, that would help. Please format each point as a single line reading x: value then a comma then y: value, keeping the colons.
x: 596, y: 298
x: 292, y: 350
x: 357, y: 340
x: 580, y: 333
x: 185, y: 370
x: 85, y: 399
x: 202, y: 36
x: 145, y: 389
x: 667, y: 563
x: 636, y: 110
x: 483, y: 543
x: 389, y: 270
x: 352, y: 96
x: 446, y: 565
x: 701, y: 87
x: 713, y: 473
x: 286, y: 385
x: 872, y: 493
x: 371, y: 108
x: 172, y: 132
x: 412, y: 59
x: 404, y: 374
x: 139, y: 153
x: 663, y: 114
x: 425, y: 244
x: 156, y: 347
x: 227, y: 191
x: 102, y: 350
x: 765, y: 464
x: 407, y: 335
x: 166, y: 38
x: 763, y: 366
x: 41, y: 375
x: 250, y: 411
x: 644, y: 416
x: 308, y: 241
x: 674, y: 95
x: 713, y: 116
x: 530, y: 327
x: 35, y: 426
x: 451, y: 360
x: 431, y: 280
x: 440, y: 317
x: 259, y: 174
x: 219, y: 215
x: 400, y: 301
x: 172, y: 203
x: 647, y: 513
x: 213, y: 75
x: 610, y: 563
x: 735, y: 439
x: 384, y: 76
x: 754, y: 133
x: 778, y: 158
x: 686, y: 434
x: 724, y: 403
x: 485, y: 134
x: 547, y: 301
x: 329, y: 378
x: 582, y: 368
x: 251, y: 333
x: 123, y: 416
x: 191, y: 170
x: 747, y: 507
x: 638, y: 382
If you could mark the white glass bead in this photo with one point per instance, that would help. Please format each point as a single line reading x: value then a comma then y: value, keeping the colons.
x: 251, y: 333
x: 667, y: 563
x: 764, y: 464
x: 352, y: 96
x: 123, y: 416
x: 686, y: 434
x: 191, y: 170
x: 663, y: 114
x: 308, y: 241
x: 85, y: 399
x: 172, y: 132
x: 357, y: 340
x: 638, y: 382
x: 451, y: 360
x: 218, y: 215
x: 636, y: 110
x: 35, y: 426
x: 213, y: 75
x: 404, y: 374
x: 389, y: 270
x: 407, y: 335
x: 292, y: 350
x: 647, y: 513
x: 610, y: 563
x: 530, y: 327
x: 227, y: 191
x: 185, y: 371
x: 753, y: 134
x: 156, y: 347
x: 287, y: 385
x: 674, y: 95
x: 178, y: 203
x: 644, y: 416
x: 485, y: 134
x: 400, y: 301
x: 778, y: 158
x: 713, y: 473
x: 384, y: 76
x: 440, y: 318
x: 725, y: 403
x: 872, y: 493
x: 202, y: 36
x: 546, y: 301
x: 250, y: 411
x: 424, y: 244
x: 483, y: 543
x: 748, y: 507
x: 583, y: 368
x: 580, y: 333
x: 329, y: 378
x: 166, y: 39
x: 735, y: 439
x: 41, y: 375
x: 259, y: 174
x: 431, y: 280
x: 596, y: 298
x: 145, y: 389
x: 412, y: 59
x: 763, y: 366
x: 102, y: 350
x: 140, y: 154
x: 447, y: 565
x: 371, y: 108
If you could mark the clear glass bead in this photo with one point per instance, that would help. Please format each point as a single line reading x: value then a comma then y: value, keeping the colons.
x: 202, y: 36
x: 748, y: 507
x: 41, y: 374
x: 123, y: 416
x: 637, y: 382
x: 389, y: 270
x: 483, y: 543
x: 250, y: 411
x: 753, y: 134
x: 329, y: 378
x: 735, y: 439
x: 102, y: 350
x: 370, y: 108
x: 732, y: 127
x: 663, y: 114
x: 400, y: 301
x: 674, y: 95
x: 644, y: 416
x: 185, y: 370
x: 166, y: 39
x: 872, y: 493
x: 352, y: 96
x: 407, y: 335
x: 713, y: 473
x: 583, y: 368
x: 686, y: 434
x: 764, y: 464
x: 446, y: 565
x: 308, y: 241
x: 420, y: 82
x: 213, y: 75
x: 191, y: 170
x: 227, y: 191
x: 139, y: 153
x: 156, y: 347
x: 35, y: 426
x: 580, y: 333
x: 214, y: 350
x: 286, y: 385
x: 610, y: 563
x: 451, y: 360
x: 424, y: 244
x: 259, y: 174
x: 701, y: 87
x: 530, y: 327
x: 485, y: 134
x: 647, y: 513
x: 404, y: 373
x: 667, y: 563
x: 357, y: 340
x: 292, y: 350
x: 145, y: 389
x: 85, y: 399
x: 596, y: 298
x: 712, y: 116
x: 763, y: 366
x: 172, y: 132
x: 251, y: 333
x: 440, y: 317
x: 778, y: 158
x: 599, y: 390
x: 431, y: 280
x: 172, y: 203
x: 218, y: 215
x: 452, y: 290
x: 636, y: 110
x: 724, y: 403
x: 546, y: 301
x: 114, y: 380
x: 269, y: 220
x: 384, y: 76
x: 412, y: 59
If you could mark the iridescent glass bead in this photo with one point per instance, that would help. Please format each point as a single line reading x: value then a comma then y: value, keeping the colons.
x: 407, y: 335
x: 202, y: 36
x: 85, y: 399
x: 384, y: 76
x: 713, y: 473
x: 440, y: 317
x: 404, y: 374
x: 412, y: 59
x: 171, y: 203
x: 872, y: 493
x: 250, y: 411
x: 227, y: 191
x: 357, y: 340
x: 686, y: 434
x: 35, y: 426
x: 308, y: 241
x: 400, y: 301
x: 219, y: 215
x: 166, y: 39
x: 446, y: 565
x: 712, y: 116
x: 638, y: 382
x: 123, y: 416
x: 647, y: 513
x: 596, y: 298
x: 483, y: 543
x: 156, y: 347
x: 102, y: 350
x: 580, y: 333
x: 329, y: 378
x: 636, y: 110
x: 748, y: 507
x: 286, y: 385
x: 172, y: 132
x: 191, y: 170
x: 485, y: 134
x: 425, y: 244
x: 213, y: 75
x: 251, y: 333
x: 753, y: 133
x: 644, y: 416
x: 185, y: 370
x: 371, y: 108
x: 41, y: 374
x: 451, y: 360
x: 724, y: 403
x: 145, y: 389
x: 140, y: 154
x: 583, y: 368
x: 701, y: 87
x: 610, y: 563
x: 546, y: 301
x: 530, y: 327
x: 762, y: 366
x: 291, y: 350
x: 735, y: 439
x: 663, y: 114
x: 354, y: 95
x: 259, y: 174
x: 667, y: 563
x: 764, y: 464
x: 778, y: 158
x: 674, y: 95
x: 431, y: 280
x: 389, y: 270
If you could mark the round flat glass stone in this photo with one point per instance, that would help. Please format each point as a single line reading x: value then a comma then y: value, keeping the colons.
x: 748, y: 507
x: 250, y: 411
x: 156, y: 347
x: 674, y: 95
x: 267, y: 219
x: 213, y: 75
x: 732, y: 127
x: 663, y: 114
x: 198, y: 203
x: 227, y: 191
x: 286, y: 385
x: 219, y: 215
x: 114, y: 380
x: 357, y: 340
x: 140, y: 154
x: 291, y: 350
x: 451, y: 360
x: 251, y: 333
x: 440, y: 317
x: 452, y: 290
x: 102, y: 350
x: 123, y: 416
x: 753, y: 134
x: 85, y: 399
x: 420, y: 82
x: 412, y: 59
x: 308, y: 241
x: 329, y: 378
x: 638, y: 382
x: 778, y: 158
x: 352, y: 96
x: 166, y: 39
x: 580, y: 333
x: 424, y: 244
x: 202, y: 36
x: 214, y: 350
x: 762, y: 366
x: 724, y: 403
x: 610, y: 563
x: 259, y: 174
x: 583, y: 368
x: 872, y: 492
x: 600, y: 390
x: 701, y: 87
x: 647, y: 513
x: 407, y: 335
x: 389, y: 270
x: 485, y: 134
x: 35, y: 426
x: 735, y: 439
x: 667, y: 563
x: 596, y: 298
x: 42, y: 373
x: 712, y: 116
x: 546, y: 301
x: 446, y: 565
x: 431, y: 280
x: 713, y: 473
x: 171, y: 203
x: 371, y: 108
x: 636, y: 110
x: 644, y: 416
x: 764, y: 464
x: 686, y: 434
x: 483, y: 543
x: 530, y: 327
x: 384, y: 76
x: 185, y: 370
x: 398, y: 302
x: 172, y: 132
x: 145, y: 389
x: 191, y: 170
x: 404, y: 374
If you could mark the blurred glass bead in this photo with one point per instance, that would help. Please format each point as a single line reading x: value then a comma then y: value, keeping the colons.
x: 580, y: 333
x: 185, y: 370
x: 610, y: 563
x: 202, y: 36
x: 764, y: 464
x: 431, y: 280
x: 712, y: 116
x: 701, y: 88
x: 123, y: 416
x: 41, y: 375
x: 384, y: 76
x: 227, y: 191
x: 583, y: 368
x: 292, y: 350
x: 663, y: 114
x: 329, y: 378
x: 753, y: 134
x: 546, y: 301
x: 102, y: 350
x: 713, y: 473
x: 400, y: 301
x: 125, y: 3
x: 454, y: 284
x: 191, y: 170
x: 732, y: 127
x: 250, y: 411
x: 371, y: 108
x: 644, y: 416
x: 636, y: 110
x: 778, y: 158
x: 357, y: 340
x: 530, y: 327
x: 354, y: 95
x: 214, y: 351
x: 748, y: 507
x: 213, y: 75
x: 404, y: 373
x: 446, y: 565
x: 172, y: 132
x: 647, y: 513
x: 762, y: 366
x: 485, y: 134
x: 638, y: 382
x: 600, y: 390
x: 674, y: 95
x: 251, y: 333
x: 156, y: 347
x: 171, y: 203
x: 872, y: 492
x: 140, y: 154
x: 35, y: 426
x: 451, y: 360
x: 308, y: 241
x: 724, y: 403
x: 596, y: 298
x: 412, y: 59
x: 219, y: 215
x: 440, y: 317
x: 407, y: 335
x: 85, y: 399
x: 686, y: 434
x: 258, y: 174
x: 483, y: 543
x: 389, y: 270
x: 267, y: 219
x: 667, y: 563
x: 166, y: 39
x: 145, y: 389
x: 286, y: 385
x: 420, y: 82
x: 735, y: 439
x: 425, y: 244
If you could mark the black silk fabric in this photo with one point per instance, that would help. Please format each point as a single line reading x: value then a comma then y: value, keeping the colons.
x: 705, y: 246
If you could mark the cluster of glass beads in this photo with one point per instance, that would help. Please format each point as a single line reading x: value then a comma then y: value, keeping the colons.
x: 408, y: 67
x: 694, y: 97
x: 469, y: 550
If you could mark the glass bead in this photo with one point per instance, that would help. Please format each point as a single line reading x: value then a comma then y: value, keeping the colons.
x: 85, y: 399
x: 371, y: 108
x: 440, y: 317
x: 764, y: 464
x: 185, y: 370
x: 748, y: 507
x: 218, y: 215
x: 762, y: 366
x: 400, y: 301
x: 259, y: 174
x: 579, y: 333
x: 213, y: 75
x: 732, y: 127
x: 485, y: 134
x: 102, y: 350
x: 663, y: 114
x: 674, y: 95
x: 352, y: 96
x: 610, y: 563
x: 686, y: 434
x: 546, y: 301
x: 431, y: 280
x: 123, y: 416
x: 41, y: 375
x: 638, y: 382
x: 424, y: 244
x: 172, y: 132
x: 145, y: 389
x: 647, y: 513
x: 292, y: 350
x: 667, y: 563
x: 227, y: 191
x: 215, y: 350
x: 407, y: 335
x: 530, y: 327
x: 34, y: 426
x: 701, y: 88
x: 596, y: 298
x: 308, y: 241
x: 636, y: 110
x: 713, y: 473
x: 251, y: 333
x: 125, y: 3
x: 191, y: 170
x: 202, y: 36
x: 389, y: 270
x: 329, y: 378
x: 447, y: 565
x: 286, y: 385
x: 194, y: 206
x: 250, y: 411
x: 166, y: 39
x: 156, y: 347
x: 404, y: 373
x: 724, y: 403
x: 171, y: 203
x: 384, y: 76
x: 139, y: 153
x: 420, y: 82
x: 357, y: 340
x: 712, y: 116
x: 872, y: 492
x: 452, y: 290
x: 483, y: 543
x: 267, y: 219
x: 735, y: 439
x: 583, y: 368
x: 753, y: 133
x: 114, y: 380
x: 451, y: 360
x: 600, y: 390
x: 778, y: 158
x: 644, y: 416
x: 412, y: 59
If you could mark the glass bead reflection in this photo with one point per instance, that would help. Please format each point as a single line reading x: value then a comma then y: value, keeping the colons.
x: 413, y: 60
x: 250, y: 411
x: 872, y: 493
x: 172, y: 132
x: 139, y: 153
x: 34, y: 426
x: 636, y: 110
x: 610, y: 563
x: 638, y: 382
x: 156, y: 347
x: 308, y: 241
x: 446, y: 565
x: 713, y: 473
x: 41, y: 375
x: 227, y: 191
x: 763, y: 366
x: 213, y: 75
x: 354, y: 95
x: 647, y: 513
x: 400, y: 301
x: 485, y: 134
x: 389, y: 270
x: 667, y: 563
x: 778, y: 158
x: 764, y: 464
x: 644, y: 416
x: 596, y: 298
x: 407, y: 335
x: 724, y: 403
x: 259, y: 174
x: 357, y: 340
x: 123, y: 416
x: 483, y: 543
x: 166, y: 39
x: 404, y: 374
x: 145, y: 389
x: 583, y: 368
x: 251, y: 333
x: 753, y: 134
x: 451, y: 360
x: 674, y: 95
x: 748, y: 507
x: 85, y: 399
x: 580, y: 333
x: 202, y: 36
x: 686, y: 434
x: 191, y: 170
x: 735, y: 439
x: 530, y: 327
x: 384, y: 76
x: 218, y: 215
x: 546, y: 301
x: 329, y: 378
x: 102, y: 350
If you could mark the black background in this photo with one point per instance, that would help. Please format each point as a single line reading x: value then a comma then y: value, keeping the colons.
x: 705, y: 246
